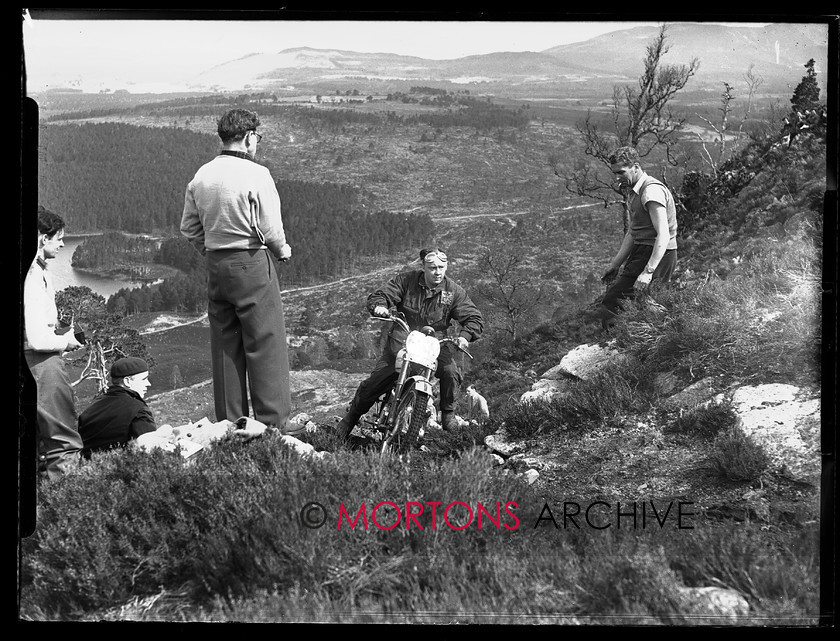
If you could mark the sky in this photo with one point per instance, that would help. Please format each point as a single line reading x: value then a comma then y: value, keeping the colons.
x: 167, y: 51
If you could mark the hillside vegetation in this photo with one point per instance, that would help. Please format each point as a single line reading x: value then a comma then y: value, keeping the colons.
x: 138, y: 536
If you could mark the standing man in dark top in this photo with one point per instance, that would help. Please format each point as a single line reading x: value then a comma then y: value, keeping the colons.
x: 121, y: 414
x: 649, y: 249
x: 426, y: 297
x: 232, y: 216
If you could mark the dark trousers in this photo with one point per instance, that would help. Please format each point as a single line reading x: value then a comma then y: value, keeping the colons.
x: 56, y: 412
x: 622, y: 288
x: 384, y: 375
x: 248, y: 337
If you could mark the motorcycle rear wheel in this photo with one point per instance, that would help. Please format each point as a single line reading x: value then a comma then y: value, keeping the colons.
x: 409, y: 418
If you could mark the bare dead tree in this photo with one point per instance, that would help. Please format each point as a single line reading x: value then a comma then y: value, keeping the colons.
x: 647, y: 120
x: 95, y: 367
x: 641, y: 118
x: 720, y: 129
x: 754, y: 81
x: 511, y: 288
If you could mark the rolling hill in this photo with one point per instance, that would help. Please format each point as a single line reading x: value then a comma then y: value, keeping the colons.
x: 155, y: 540
x: 777, y: 52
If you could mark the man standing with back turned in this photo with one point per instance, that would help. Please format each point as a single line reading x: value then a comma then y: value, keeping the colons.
x: 232, y: 216
x: 649, y: 249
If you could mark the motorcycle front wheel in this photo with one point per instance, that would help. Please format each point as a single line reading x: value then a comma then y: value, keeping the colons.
x: 409, y: 418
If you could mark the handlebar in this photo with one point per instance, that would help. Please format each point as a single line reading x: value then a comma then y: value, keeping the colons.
x: 457, y: 345
x: 393, y: 319
x: 401, y: 322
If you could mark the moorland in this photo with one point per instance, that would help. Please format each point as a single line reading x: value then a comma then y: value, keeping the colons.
x: 139, y: 537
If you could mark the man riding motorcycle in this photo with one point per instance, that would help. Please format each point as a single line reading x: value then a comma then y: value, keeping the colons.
x: 426, y: 297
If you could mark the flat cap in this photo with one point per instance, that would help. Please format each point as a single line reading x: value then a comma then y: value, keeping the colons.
x: 128, y: 366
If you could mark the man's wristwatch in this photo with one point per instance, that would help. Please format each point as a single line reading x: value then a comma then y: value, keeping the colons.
x: 649, y: 269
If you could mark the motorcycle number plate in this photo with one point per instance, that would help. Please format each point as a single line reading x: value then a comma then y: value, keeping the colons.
x: 422, y: 349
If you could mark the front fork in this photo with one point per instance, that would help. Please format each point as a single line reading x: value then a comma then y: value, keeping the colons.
x: 422, y: 383
x: 397, y: 390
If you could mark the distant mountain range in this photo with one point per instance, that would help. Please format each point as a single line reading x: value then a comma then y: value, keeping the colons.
x: 777, y: 52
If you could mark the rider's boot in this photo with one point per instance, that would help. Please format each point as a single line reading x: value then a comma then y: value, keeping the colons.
x: 448, y: 421
x: 346, y: 425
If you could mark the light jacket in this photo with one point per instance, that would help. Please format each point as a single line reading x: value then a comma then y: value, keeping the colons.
x: 232, y: 203
x: 40, y: 314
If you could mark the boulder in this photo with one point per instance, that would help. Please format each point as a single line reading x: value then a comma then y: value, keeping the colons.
x: 695, y: 394
x: 498, y: 460
x: 713, y: 605
x: 581, y: 363
x: 584, y: 361
x: 500, y: 444
x: 786, y: 423
x: 545, y: 390
x: 751, y: 397
x: 522, y: 462
x: 530, y: 476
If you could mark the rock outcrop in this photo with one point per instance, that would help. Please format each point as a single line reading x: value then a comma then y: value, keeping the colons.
x: 783, y: 419
x: 581, y: 363
x: 713, y: 606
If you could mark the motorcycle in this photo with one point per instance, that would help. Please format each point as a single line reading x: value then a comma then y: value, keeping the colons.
x: 404, y: 410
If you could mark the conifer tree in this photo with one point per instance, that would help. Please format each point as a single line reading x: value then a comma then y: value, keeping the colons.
x: 806, y: 96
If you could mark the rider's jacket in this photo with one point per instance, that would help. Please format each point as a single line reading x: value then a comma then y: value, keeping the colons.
x: 422, y: 305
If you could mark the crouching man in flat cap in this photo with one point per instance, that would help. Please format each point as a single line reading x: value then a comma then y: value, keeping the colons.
x: 425, y: 296
x: 120, y: 415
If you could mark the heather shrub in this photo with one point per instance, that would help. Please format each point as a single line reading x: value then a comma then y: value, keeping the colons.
x: 528, y: 418
x: 640, y: 588
x: 704, y: 422
x: 584, y: 404
x: 441, y: 443
x: 604, y: 398
x: 143, y: 536
x: 741, y: 559
x: 760, y: 323
x: 230, y: 524
x: 736, y: 456
x: 701, y: 330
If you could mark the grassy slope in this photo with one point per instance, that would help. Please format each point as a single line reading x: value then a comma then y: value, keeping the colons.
x: 626, y: 457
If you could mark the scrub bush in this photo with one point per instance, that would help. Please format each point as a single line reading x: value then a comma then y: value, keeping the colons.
x: 736, y: 456
x: 704, y: 422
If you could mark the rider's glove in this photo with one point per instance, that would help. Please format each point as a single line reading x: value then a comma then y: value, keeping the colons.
x: 381, y: 311
x: 463, y: 343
